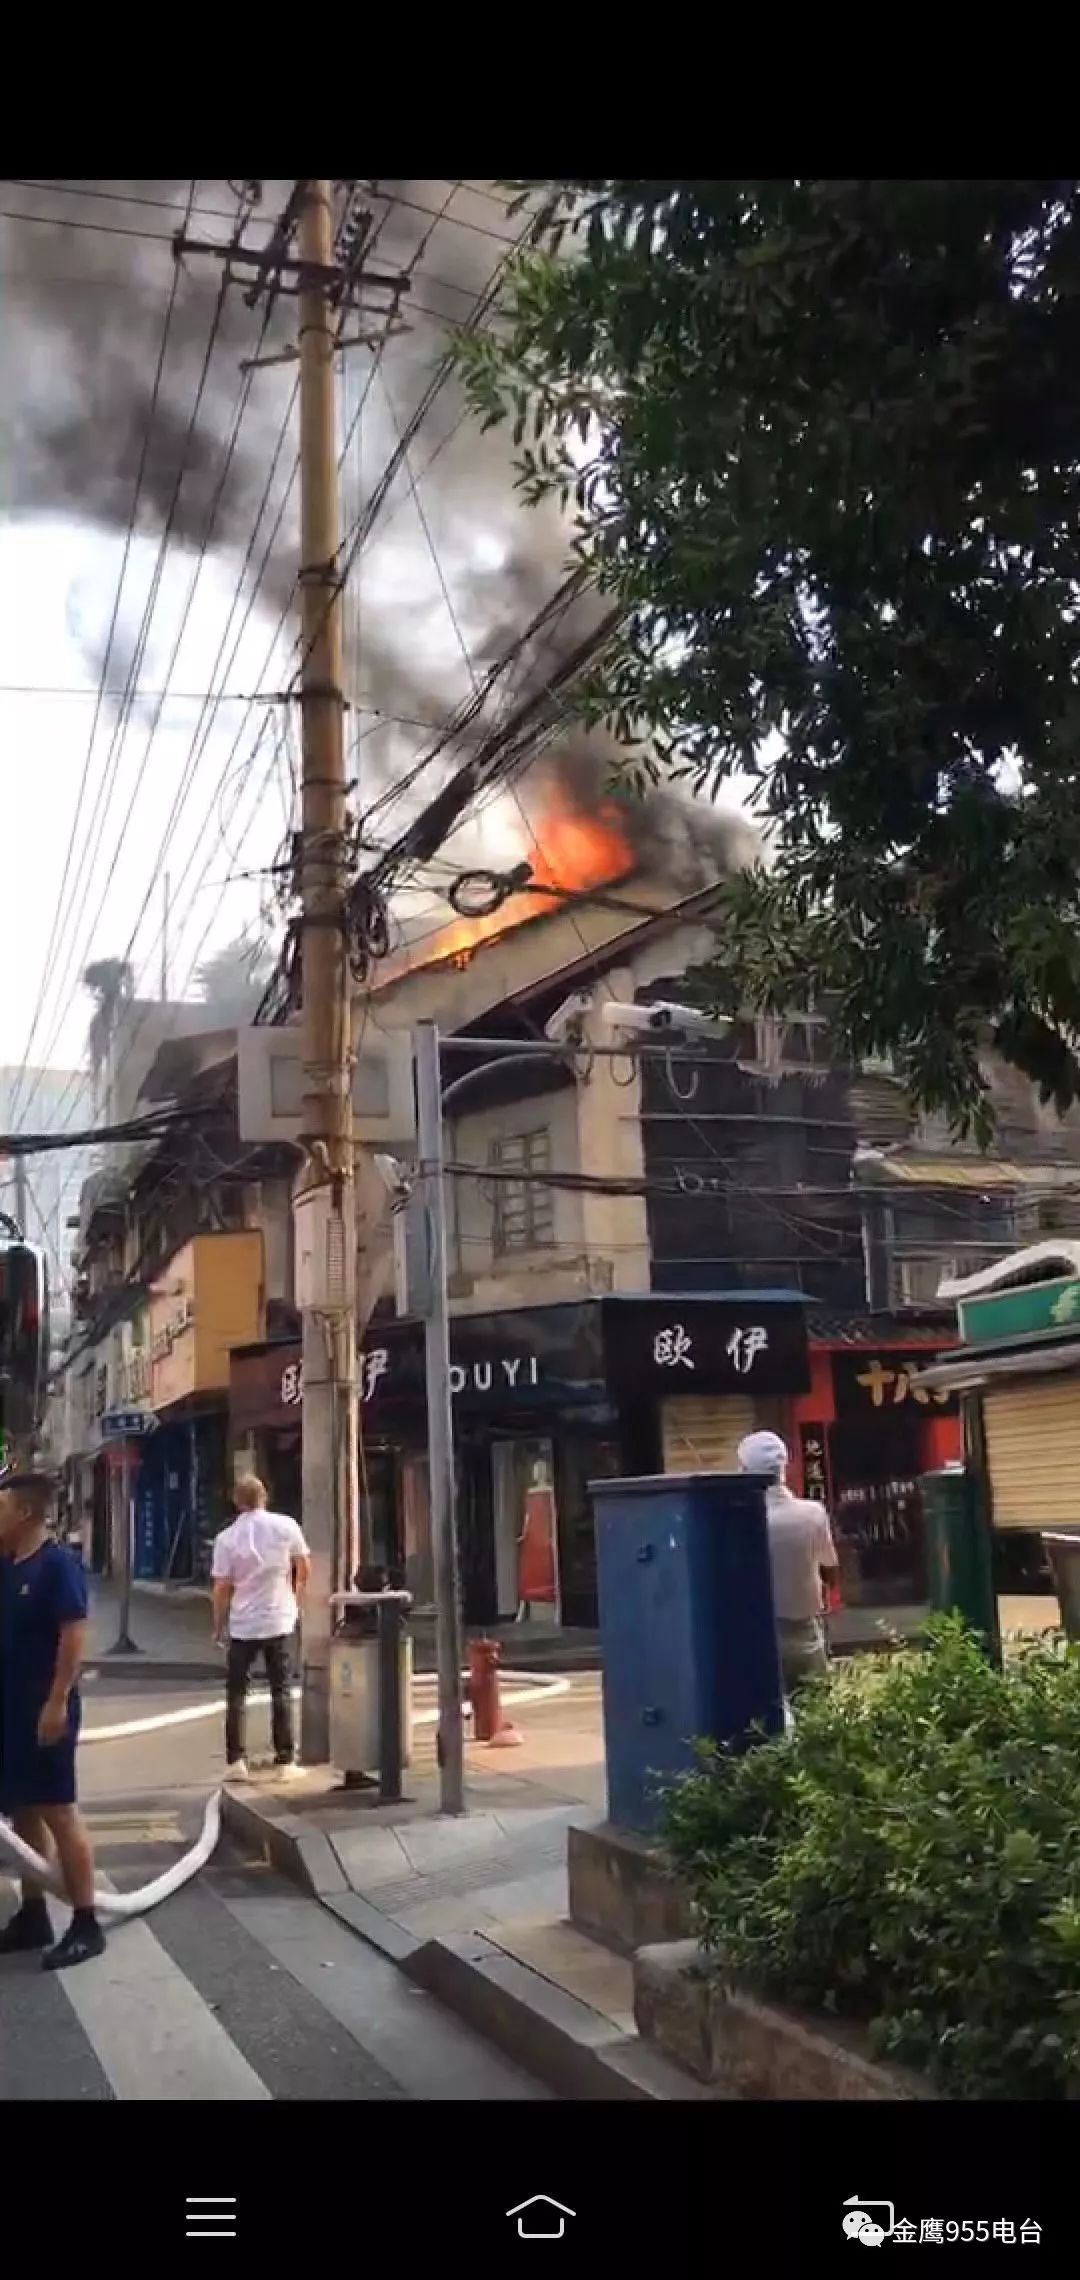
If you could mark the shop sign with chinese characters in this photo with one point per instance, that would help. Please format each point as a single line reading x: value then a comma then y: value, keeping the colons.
x: 692, y: 1345
x: 508, y: 1374
x: 815, y: 1474
x: 871, y: 1381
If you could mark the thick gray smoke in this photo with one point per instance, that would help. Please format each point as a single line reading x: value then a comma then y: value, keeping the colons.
x: 78, y: 355
x: 454, y: 566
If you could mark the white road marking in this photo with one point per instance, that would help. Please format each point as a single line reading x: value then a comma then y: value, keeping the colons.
x: 530, y: 1686
x: 149, y: 2029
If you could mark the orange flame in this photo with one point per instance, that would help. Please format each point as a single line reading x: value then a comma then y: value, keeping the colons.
x: 570, y: 852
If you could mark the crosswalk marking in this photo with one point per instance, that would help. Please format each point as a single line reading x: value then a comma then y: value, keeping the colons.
x: 223, y: 1997
x: 153, y: 2035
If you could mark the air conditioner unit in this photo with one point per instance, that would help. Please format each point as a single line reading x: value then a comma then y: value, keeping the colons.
x: 919, y: 1280
x: 271, y: 1085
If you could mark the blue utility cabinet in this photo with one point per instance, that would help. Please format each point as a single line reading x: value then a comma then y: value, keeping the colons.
x: 686, y: 1625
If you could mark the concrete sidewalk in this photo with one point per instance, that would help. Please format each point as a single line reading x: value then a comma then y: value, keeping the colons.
x: 504, y: 1862
x: 170, y: 1626
x: 475, y: 1910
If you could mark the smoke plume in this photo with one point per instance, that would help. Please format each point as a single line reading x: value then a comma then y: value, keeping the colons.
x: 453, y: 567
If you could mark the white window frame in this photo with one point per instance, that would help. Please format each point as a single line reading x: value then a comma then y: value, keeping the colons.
x: 523, y: 1216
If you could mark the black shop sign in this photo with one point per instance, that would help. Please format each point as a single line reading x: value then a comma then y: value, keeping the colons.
x: 524, y: 1358
x: 874, y: 1381
x: 666, y: 1346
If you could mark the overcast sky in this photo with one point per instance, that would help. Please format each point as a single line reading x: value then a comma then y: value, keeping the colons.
x: 455, y: 567
x: 45, y: 739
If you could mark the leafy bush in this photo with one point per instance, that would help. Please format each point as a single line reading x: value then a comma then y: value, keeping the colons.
x: 910, y: 1859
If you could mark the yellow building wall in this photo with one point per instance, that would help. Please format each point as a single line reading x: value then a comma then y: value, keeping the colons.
x: 210, y: 1297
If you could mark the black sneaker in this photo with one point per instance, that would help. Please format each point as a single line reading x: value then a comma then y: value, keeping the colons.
x: 28, y: 1929
x: 80, y: 1943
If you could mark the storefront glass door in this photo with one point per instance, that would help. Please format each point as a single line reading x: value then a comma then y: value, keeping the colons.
x: 877, y: 1512
x: 526, y: 1533
x: 416, y: 1525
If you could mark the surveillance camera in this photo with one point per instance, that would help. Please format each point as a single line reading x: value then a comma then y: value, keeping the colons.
x: 395, y: 1176
x: 665, y: 1019
x: 690, y: 1019
x: 568, y: 1020
x: 637, y: 1019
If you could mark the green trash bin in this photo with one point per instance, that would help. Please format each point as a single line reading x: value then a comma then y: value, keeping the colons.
x: 959, y: 1557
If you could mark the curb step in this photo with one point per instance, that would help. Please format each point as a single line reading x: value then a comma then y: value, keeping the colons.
x: 576, y: 2051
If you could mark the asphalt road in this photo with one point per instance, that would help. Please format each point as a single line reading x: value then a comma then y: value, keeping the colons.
x: 236, y: 1988
x: 189, y: 1757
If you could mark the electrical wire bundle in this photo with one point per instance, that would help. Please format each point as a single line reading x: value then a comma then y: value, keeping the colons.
x: 369, y: 934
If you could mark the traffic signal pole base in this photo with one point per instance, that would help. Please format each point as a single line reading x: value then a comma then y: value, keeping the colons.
x: 125, y: 1645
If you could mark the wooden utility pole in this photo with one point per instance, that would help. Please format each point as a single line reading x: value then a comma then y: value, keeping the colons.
x: 326, y: 1205
x: 327, y: 275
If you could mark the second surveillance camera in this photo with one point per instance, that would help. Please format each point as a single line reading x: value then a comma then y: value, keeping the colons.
x: 665, y: 1019
x: 566, y: 1024
x: 692, y: 1020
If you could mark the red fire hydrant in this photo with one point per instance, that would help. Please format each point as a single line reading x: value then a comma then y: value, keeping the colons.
x: 489, y: 1723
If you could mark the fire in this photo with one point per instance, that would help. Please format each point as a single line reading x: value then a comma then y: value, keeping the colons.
x: 570, y: 852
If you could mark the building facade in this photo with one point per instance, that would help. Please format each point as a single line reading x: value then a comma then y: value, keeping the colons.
x: 184, y: 1250
x: 649, y: 1255
x: 546, y: 1399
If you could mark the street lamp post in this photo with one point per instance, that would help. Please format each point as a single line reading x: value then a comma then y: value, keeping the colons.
x: 431, y: 1104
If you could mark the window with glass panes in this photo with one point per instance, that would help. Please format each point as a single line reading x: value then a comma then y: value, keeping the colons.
x: 524, y: 1212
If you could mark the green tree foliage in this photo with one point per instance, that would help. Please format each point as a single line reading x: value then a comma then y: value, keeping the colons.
x: 907, y: 1859
x: 822, y: 439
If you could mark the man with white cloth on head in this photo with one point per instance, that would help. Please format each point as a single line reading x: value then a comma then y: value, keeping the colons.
x: 802, y: 1557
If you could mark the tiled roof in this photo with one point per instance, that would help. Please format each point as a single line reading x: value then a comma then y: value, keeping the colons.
x: 881, y: 1330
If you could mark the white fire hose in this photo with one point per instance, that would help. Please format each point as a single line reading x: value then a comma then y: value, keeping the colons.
x: 120, y: 1905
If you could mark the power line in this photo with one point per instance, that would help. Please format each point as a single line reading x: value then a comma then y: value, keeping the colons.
x: 216, y: 213
x: 128, y: 541
x: 210, y: 701
x: 280, y: 626
x: 112, y: 764
x: 366, y: 520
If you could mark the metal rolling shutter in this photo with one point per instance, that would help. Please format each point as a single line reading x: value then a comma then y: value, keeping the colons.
x: 703, y: 1434
x: 1033, y: 1453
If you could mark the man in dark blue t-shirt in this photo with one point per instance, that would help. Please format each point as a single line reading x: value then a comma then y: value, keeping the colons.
x: 42, y: 1634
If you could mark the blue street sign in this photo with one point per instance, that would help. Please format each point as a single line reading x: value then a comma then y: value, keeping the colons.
x: 127, y: 1424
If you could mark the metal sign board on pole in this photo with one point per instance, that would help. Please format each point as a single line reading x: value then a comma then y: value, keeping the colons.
x: 128, y: 1424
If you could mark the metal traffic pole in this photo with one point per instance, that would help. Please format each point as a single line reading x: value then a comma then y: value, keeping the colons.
x: 125, y: 1427
x: 124, y: 1644
x: 441, y: 1477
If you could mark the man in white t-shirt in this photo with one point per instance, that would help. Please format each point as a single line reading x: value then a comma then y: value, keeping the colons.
x: 261, y: 1566
x: 802, y: 1557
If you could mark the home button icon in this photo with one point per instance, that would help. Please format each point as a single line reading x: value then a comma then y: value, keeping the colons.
x: 541, y: 2217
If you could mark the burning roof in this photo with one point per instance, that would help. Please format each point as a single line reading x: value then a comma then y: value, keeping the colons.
x: 601, y: 863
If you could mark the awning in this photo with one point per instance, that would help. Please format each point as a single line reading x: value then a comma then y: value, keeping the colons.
x: 974, y: 1366
x: 976, y: 1172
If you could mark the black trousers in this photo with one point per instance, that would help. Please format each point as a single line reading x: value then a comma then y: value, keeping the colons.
x: 242, y: 1657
